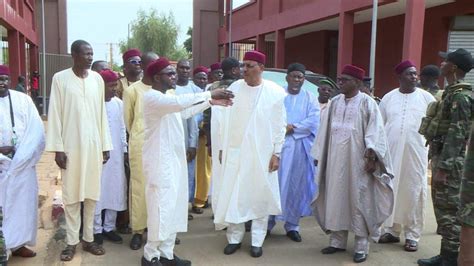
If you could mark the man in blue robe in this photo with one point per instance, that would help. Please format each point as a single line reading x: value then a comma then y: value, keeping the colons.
x: 297, y: 170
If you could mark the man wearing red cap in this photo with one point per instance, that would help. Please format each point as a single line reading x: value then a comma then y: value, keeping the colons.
x: 166, y: 175
x: 216, y: 73
x: 21, y: 146
x: 253, y: 132
x: 355, y: 178
x: 131, y: 69
x: 133, y: 114
x: 402, y: 110
x: 203, y: 161
x: 78, y: 132
x: 113, y: 190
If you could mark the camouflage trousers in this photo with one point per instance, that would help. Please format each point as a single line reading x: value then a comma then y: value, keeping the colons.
x: 3, y: 248
x: 446, y: 201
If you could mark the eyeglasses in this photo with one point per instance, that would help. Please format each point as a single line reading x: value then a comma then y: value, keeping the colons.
x: 135, y: 61
x: 169, y: 74
x: 249, y: 65
x: 343, y: 80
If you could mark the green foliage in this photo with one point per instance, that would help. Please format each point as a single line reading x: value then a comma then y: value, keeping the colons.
x: 155, y: 32
x: 188, y: 43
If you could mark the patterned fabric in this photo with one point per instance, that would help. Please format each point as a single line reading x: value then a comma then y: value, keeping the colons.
x: 466, y: 213
x: 3, y: 250
x: 448, y: 154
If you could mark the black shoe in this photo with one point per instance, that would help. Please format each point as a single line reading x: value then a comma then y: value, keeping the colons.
x: 113, y: 237
x: 256, y: 251
x: 206, y: 205
x: 197, y: 210
x: 388, y: 238
x: 177, y: 241
x: 332, y: 250
x: 360, y: 257
x: 153, y: 262
x: 176, y: 261
x: 190, y: 217
x: 248, y: 226
x: 433, y: 261
x: 99, y: 239
x: 451, y: 261
x: 136, y: 242
x: 231, y: 248
x: 294, y: 235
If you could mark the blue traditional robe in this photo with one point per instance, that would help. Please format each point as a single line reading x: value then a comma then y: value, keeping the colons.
x: 296, y: 172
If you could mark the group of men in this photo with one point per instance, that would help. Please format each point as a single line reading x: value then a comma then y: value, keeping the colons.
x: 358, y: 165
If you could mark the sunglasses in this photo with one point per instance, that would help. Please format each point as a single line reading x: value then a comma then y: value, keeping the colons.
x: 169, y: 74
x: 135, y: 62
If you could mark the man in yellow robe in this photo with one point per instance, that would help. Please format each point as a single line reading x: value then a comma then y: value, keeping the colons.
x: 133, y: 114
x: 132, y: 69
x: 78, y: 133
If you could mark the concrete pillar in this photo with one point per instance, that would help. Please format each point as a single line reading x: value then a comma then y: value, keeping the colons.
x: 413, y: 31
x: 260, y: 44
x: 280, y: 48
x: 346, y: 37
x: 14, y: 56
x: 34, y: 58
x: 22, y: 58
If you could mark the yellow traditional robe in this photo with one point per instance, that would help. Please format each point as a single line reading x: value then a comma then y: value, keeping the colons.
x: 77, y: 125
x: 133, y: 114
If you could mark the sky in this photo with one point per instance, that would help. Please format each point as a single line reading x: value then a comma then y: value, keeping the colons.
x: 101, y: 22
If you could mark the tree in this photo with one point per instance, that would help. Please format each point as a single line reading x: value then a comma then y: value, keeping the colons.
x: 188, y: 44
x: 155, y: 32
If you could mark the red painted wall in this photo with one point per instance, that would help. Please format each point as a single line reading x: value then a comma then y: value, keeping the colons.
x: 311, y: 50
x: 390, y: 42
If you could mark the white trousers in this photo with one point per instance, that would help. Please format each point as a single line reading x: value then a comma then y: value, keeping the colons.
x: 338, y: 239
x: 412, y: 232
x: 157, y: 249
x: 73, y: 221
x: 235, y: 232
x: 109, y: 222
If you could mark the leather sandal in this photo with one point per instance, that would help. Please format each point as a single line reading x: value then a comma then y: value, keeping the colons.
x: 68, y: 253
x: 93, y: 248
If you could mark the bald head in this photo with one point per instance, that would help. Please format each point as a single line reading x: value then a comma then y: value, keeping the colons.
x: 147, y: 58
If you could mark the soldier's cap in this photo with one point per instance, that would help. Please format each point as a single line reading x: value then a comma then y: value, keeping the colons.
x: 461, y: 58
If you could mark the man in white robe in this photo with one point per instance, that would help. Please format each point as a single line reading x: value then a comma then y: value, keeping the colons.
x: 353, y: 195
x: 21, y: 145
x: 296, y: 172
x: 166, y: 172
x: 113, y: 185
x: 78, y: 133
x: 253, y: 135
x: 402, y: 110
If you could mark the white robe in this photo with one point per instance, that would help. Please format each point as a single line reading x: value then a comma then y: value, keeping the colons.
x: 77, y: 125
x: 402, y: 114
x: 216, y: 146
x: 253, y: 130
x: 164, y: 164
x: 350, y: 198
x: 18, y: 181
x: 113, y: 186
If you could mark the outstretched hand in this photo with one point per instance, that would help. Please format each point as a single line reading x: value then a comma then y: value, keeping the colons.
x: 221, y: 102
x: 221, y: 94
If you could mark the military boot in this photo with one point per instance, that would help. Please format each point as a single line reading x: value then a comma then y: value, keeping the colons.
x: 433, y: 261
x: 450, y: 258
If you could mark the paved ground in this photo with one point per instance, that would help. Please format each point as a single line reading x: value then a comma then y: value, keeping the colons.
x: 204, y: 246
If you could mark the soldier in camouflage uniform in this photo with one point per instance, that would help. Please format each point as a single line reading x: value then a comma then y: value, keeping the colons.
x: 3, y: 249
x: 447, y: 151
x: 466, y: 212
